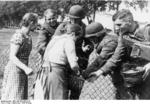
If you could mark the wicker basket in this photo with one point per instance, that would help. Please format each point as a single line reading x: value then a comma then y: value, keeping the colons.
x: 133, y: 77
x: 75, y: 83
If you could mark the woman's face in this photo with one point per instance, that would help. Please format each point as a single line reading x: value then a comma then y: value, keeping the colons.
x: 74, y: 21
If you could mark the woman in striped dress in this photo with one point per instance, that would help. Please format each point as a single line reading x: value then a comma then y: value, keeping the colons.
x: 15, y: 82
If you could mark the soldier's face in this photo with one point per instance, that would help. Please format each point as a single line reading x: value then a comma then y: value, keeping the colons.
x: 51, y: 19
x: 74, y: 21
x: 93, y: 39
x: 121, y: 26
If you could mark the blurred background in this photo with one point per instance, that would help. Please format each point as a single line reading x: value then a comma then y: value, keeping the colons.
x: 11, y: 12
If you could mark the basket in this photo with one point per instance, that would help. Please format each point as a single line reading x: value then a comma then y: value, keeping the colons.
x: 133, y: 77
x: 75, y: 83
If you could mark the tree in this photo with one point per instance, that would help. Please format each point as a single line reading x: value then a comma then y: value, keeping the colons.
x: 11, y: 12
x: 140, y: 3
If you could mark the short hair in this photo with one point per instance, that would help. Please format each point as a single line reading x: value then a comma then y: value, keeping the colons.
x: 73, y: 28
x: 50, y: 11
x: 123, y: 14
x: 28, y: 18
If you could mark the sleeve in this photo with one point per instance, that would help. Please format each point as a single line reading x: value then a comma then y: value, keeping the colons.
x: 17, y: 39
x: 106, y: 52
x: 116, y: 57
x: 70, y: 52
x: 42, y: 41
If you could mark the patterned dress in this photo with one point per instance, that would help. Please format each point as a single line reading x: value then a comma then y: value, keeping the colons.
x: 15, y: 82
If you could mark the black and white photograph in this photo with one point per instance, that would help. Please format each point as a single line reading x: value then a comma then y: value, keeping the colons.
x: 74, y: 50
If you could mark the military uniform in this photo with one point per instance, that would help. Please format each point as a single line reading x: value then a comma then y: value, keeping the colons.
x: 45, y: 34
x: 141, y: 91
x: 111, y: 53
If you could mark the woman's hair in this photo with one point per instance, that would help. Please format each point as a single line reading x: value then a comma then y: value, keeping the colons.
x: 28, y: 18
x: 73, y: 28
x: 123, y: 14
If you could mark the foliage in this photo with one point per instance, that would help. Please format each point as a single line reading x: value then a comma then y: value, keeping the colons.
x: 11, y: 12
x: 140, y: 3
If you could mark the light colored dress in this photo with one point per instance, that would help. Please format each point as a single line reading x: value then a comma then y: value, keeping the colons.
x: 53, y: 84
x: 15, y: 81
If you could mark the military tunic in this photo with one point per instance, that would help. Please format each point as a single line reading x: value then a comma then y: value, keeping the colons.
x: 110, y: 53
x: 45, y: 34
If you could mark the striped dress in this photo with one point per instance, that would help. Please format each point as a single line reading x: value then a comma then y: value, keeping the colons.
x: 15, y: 81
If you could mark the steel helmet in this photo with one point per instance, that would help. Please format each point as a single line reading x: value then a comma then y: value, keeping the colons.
x: 76, y: 11
x: 94, y: 29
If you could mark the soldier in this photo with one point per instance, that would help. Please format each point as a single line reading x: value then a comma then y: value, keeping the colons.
x: 110, y: 52
x: 125, y: 24
x: 47, y: 30
x: 76, y: 14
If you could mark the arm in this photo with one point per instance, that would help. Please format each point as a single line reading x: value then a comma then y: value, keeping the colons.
x: 116, y: 58
x: 71, y: 55
x: 14, y: 47
x: 107, y: 51
x: 111, y: 63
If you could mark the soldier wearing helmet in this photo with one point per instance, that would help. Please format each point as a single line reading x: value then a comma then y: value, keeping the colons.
x: 75, y: 15
x: 47, y: 30
x: 105, y: 61
x: 124, y: 68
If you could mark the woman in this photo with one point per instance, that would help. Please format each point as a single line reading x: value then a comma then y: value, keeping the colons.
x: 15, y: 82
x: 52, y: 81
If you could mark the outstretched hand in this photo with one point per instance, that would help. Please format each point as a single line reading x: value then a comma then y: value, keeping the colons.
x: 29, y: 71
x: 94, y: 76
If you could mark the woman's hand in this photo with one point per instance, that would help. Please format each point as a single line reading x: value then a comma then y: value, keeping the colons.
x: 94, y: 75
x: 147, y: 70
x: 29, y: 71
